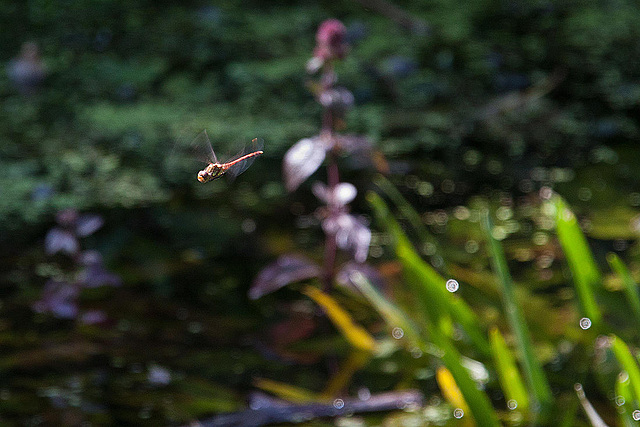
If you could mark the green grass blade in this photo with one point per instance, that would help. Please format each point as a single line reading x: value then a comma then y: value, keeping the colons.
x: 430, y: 289
x: 583, y: 267
x: 392, y: 315
x: 629, y: 364
x: 405, y: 209
x: 625, y: 407
x: 508, y: 374
x: 630, y: 285
x: 428, y: 285
x: 534, y: 374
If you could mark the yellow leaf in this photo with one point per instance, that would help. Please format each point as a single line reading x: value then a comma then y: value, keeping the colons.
x: 452, y: 393
x: 286, y: 391
x: 355, y: 334
x: 342, y: 378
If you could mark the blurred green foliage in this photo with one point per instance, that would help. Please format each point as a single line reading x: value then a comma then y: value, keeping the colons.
x: 126, y: 80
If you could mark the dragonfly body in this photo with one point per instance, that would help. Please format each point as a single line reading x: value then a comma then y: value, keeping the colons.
x: 215, y: 170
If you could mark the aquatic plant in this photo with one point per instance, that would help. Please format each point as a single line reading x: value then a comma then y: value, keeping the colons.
x: 342, y: 229
x: 60, y: 294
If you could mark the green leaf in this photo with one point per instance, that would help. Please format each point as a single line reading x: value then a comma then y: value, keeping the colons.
x: 580, y: 259
x: 630, y: 285
x: 510, y: 379
x: 405, y: 209
x: 392, y: 315
x: 535, y: 376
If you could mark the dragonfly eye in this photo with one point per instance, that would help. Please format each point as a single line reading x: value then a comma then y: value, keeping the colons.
x: 202, y: 176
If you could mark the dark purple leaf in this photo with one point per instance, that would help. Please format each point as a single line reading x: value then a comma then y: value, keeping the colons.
x: 88, y: 224
x: 371, y: 274
x: 267, y: 414
x: 302, y: 160
x: 287, y: 269
x: 339, y: 196
x: 90, y: 257
x: 354, y: 144
x: 292, y: 329
x: 58, y: 298
x: 93, y: 317
x: 260, y: 400
x: 96, y: 275
x: 58, y: 240
x: 351, y: 233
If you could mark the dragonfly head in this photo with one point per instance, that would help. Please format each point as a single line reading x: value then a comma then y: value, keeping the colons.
x: 203, y: 176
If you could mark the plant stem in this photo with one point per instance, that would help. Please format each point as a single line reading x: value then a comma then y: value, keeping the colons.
x: 333, y: 179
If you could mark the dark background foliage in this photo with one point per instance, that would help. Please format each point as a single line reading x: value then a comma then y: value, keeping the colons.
x: 490, y: 95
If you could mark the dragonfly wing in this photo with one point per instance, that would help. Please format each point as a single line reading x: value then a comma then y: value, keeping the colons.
x: 254, y: 147
x: 201, y: 148
x: 189, y: 156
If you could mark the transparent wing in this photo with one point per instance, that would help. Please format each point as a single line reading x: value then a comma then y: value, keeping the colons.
x: 250, y: 152
x: 189, y: 156
x: 201, y: 149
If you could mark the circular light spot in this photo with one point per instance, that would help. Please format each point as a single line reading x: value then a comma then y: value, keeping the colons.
x: 364, y: 394
x: 248, y: 226
x: 471, y: 246
x: 512, y: 404
x: 195, y: 327
x: 636, y: 415
x: 499, y: 233
x: 504, y: 213
x: 397, y: 333
x: 458, y: 413
x: 584, y: 194
x: 620, y: 400
x: 585, y: 323
x: 425, y: 189
x: 452, y: 285
x: 338, y: 403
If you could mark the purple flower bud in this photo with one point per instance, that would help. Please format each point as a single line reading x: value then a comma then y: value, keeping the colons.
x: 337, y: 196
x: 351, y: 234
x: 27, y: 71
x: 331, y: 40
x: 337, y: 99
x: 67, y: 217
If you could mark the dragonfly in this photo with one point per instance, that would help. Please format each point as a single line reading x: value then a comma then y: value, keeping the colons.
x: 232, y: 167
